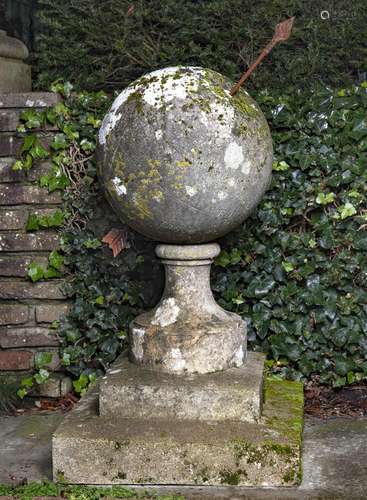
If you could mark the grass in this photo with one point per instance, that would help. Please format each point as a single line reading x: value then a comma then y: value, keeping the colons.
x: 73, y: 492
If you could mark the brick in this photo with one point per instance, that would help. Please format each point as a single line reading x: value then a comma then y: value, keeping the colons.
x: 16, y: 360
x: 18, y: 195
x: 33, y: 242
x: 18, y: 265
x: 10, y: 145
x: 30, y: 336
x: 29, y: 100
x: 47, y: 313
x: 9, y: 120
x: 13, y: 219
x: 13, y: 314
x: 7, y: 174
x: 12, y: 142
x: 54, y: 365
x: 18, y: 290
x: 56, y: 386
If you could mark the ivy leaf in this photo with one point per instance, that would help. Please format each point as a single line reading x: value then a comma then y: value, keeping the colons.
x: 59, y: 142
x: 27, y: 382
x: 325, y: 198
x: 28, y: 142
x: 35, y: 271
x: 28, y: 162
x: 280, y: 166
x: 50, y: 272
x: 347, y: 210
x: 287, y: 266
x: 17, y: 165
x: 32, y: 222
x: 56, y: 260
x: 81, y: 384
x: 38, y: 152
x: 21, y: 393
x: 42, y: 359
x: 42, y: 375
x: 92, y: 243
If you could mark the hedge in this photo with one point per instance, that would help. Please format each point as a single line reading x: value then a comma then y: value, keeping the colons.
x: 106, y: 45
x: 298, y: 269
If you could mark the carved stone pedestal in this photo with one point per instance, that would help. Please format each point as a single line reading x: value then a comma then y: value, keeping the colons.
x: 15, y: 76
x: 187, y: 408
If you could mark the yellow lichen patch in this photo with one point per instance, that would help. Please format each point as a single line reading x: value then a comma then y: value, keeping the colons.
x: 184, y: 163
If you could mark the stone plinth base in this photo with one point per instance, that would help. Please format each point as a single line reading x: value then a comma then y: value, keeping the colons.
x: 93, y: 449
x: 235, y: 394
x: 15, y: 76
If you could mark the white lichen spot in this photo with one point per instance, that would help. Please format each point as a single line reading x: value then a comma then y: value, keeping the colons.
x: 238, y: 357
x: 169, y: 84
x: 175, y: 361
x: 222, y: 195
x: 137, y: 343
x: 158, y: 134
x: 233, y: 156
x: 29, y: 103
x: 245, y: 168
x: 191, y: 190
x: 119, y: 186
x: 112, y: 117
x: 231, y: 182
x: 166, y: 313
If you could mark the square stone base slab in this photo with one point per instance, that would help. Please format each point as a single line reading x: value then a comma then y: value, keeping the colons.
x: 130, y: 391
x: 90, y: 449
x: 15, y: 76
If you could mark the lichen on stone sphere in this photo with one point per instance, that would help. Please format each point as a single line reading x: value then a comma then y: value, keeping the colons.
x: 180, y: 159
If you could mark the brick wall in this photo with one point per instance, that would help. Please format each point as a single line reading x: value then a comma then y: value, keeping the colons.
x: 26, y: 308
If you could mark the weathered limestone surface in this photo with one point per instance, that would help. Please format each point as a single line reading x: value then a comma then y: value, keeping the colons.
x: 185, y: 162
x: 235, y: 394
x: 180, y: 159
x: 188, y: 332
x: 15, y: 76
x: 88, y: 448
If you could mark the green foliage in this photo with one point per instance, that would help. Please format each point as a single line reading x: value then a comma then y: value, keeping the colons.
x: 106, y: 293
x: 37, y: 272
x: 75, y: 492
x: 300, y: 261
x: 31, y: 151
x: 45, y: 221
x: 104, y: 45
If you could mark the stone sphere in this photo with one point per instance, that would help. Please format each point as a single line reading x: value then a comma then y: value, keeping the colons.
x: 180, y: 159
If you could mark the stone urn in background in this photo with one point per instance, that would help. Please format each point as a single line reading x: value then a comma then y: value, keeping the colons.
x: 15, y: 75
x: 183, y: 162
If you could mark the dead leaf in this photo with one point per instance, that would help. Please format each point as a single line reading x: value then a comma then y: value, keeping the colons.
x: 117, y: 240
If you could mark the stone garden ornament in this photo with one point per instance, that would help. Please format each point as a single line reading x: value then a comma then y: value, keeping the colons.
x: 184, y: 157
x: 184, y: 162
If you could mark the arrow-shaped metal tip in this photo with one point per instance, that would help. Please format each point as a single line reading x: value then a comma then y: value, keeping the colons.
x: 282, y: 32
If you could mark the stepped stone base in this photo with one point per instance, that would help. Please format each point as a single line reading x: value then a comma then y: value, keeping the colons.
x: 93, y: 449
x: 132, y: 391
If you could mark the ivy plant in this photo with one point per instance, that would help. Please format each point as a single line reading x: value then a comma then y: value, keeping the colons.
x: 296, y: 270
